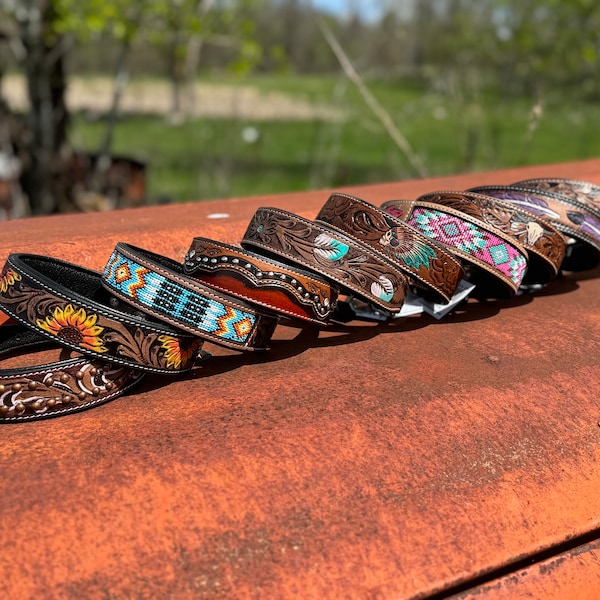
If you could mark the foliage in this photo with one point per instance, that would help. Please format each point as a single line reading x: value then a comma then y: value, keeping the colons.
x: 119, y: 18
x: 46, y: 30
x: 208, y: 157
x: 490, y: 65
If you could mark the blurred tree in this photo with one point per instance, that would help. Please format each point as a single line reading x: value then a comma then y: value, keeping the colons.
x: 40, y: 49
x: 46, y: 30
x: 121, y: 21
x: 519, y: 46
x: 182, y: 22
x: 180, y: 29
x: 544, y: 45
x: 460, y: 47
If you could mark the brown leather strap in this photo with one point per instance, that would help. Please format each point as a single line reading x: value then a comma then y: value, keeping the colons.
x: 157, y: 285
x: 67, y: 304
x: 544, y: 243
x: 584, y: 192
x: 429, y: 266
x: 496, y: 261
x: 289, y: 291
x: 573, y: 218
x: 315, y: 246
x: 58, y: 388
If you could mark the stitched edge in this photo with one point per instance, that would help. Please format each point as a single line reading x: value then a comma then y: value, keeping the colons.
x: 62, y: 411
x: 474, y: 259
x: 104, y: 310
x: 113, y: 358
x: 319, y: 269
x: 276, y: 284
x: 278, y: 309
x: 170, y: 275
x: 264, y: 259
x: 398, y: 223
x: 547, y: 224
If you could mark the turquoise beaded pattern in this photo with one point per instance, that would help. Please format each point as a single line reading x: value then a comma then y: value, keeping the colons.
x: 162, y: 295
x: 470, y: 239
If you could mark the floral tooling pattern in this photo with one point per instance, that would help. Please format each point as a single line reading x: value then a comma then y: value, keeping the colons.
x: 301, y: 241
x: 80, y: 328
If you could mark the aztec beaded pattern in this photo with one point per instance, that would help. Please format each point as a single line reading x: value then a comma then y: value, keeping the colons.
x: 472, y: 240
x: 167, y: 297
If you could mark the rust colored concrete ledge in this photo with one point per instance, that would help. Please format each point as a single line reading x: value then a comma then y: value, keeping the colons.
x: 571, y: 574
x: 368, y: 461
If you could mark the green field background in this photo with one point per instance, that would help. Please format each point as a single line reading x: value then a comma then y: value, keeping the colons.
x: 207, y: 157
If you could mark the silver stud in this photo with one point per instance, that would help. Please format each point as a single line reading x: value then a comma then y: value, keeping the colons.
x: 192, y: 253
x: 235, y: 261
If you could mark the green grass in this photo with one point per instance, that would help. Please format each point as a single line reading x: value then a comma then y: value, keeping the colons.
x: 207, y: 158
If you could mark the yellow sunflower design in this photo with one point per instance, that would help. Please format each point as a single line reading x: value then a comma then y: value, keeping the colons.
x: 177, y: 356
x: 8, y: 278
x: 75, y: 327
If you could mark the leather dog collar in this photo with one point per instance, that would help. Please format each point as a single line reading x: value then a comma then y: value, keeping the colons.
x: 257, y: 279
x: 78, y: 313
x: 499, y: 260
x: 314, y: 245
x: 584, y: 192
x: 544, y: 243
x: 158, y: 286
x: 57, y: 388
x: 572, y: 217
x: 432, y: 268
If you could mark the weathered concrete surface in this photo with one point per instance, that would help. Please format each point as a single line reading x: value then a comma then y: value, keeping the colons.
x: 368, y: 461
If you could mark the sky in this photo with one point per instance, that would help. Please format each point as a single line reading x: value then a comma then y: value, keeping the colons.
x: 368, y: 9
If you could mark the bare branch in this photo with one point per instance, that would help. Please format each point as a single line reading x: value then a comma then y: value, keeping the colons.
x: 384, y: 117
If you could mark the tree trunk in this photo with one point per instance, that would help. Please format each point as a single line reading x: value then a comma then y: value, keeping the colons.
x: 104, y: 159
x: 175, y: 50
x: 176, y: 76
x: 48, y: 118
x: 192, y: 59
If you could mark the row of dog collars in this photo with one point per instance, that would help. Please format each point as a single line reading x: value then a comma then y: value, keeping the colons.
x: 148, y: 313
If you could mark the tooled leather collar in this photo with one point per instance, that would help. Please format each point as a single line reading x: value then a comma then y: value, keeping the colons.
x: 67, y: 304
